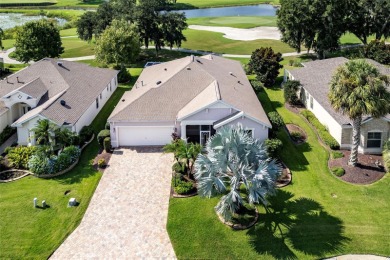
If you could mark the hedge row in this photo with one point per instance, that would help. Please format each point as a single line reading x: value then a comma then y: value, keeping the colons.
x: 322, y: 131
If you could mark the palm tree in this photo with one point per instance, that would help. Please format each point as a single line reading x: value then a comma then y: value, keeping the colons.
x: 64, y: 137
x: 235, y: 159
x: 358, y: 89
x: 187, y: 155
x: 44, y: 132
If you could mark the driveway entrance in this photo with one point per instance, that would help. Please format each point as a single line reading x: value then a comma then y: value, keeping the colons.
x: 127, y: 216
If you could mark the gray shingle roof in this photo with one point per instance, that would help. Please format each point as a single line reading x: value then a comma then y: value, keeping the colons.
x: 181, y: 82
x: 315, y: 77
x: 45, y: 79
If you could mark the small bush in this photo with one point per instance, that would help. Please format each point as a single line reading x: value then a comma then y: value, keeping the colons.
x: 102, y: 135
x: 124, y: 75
x: 8, y: 149
x: 378, y: 51
x: 337, y: 154
x: 182, y: 187
x: 338, y: 171
x: 101, y: 163
x: 107, y: 126
x: 296, y: 136
x: 178, y: 167
x: 276, y: 121
x: 85, y: 134
x: 291, y: 88
x: 41, y: 164
x: 107, y: 144
x: 19, y: 156
x: 321, y: 130
x: 273, y: 147
x: 7, y: 132
x: 257, y: 86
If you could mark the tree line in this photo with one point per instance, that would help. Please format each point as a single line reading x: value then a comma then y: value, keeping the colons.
x: 319, y: 24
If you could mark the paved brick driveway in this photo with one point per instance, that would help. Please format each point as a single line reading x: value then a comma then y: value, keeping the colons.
x: 127, y: 216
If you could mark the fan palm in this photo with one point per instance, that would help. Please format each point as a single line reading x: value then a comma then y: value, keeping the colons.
x: 64, y: 137
x: 44, y: 132
x: 187, y: 155
x: 358, y: 89
x: 235, y: 159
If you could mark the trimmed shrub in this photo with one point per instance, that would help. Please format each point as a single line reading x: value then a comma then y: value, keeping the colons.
x: 101, y: 163
x: 296, y: 136
x: 178, y: 167
x: 102, y: 135
x: 276, y: 121
x: 182, y: 187
x: 338, y: 171
x: 124, y: 75
x: 273, y: 147
x: 19, y: 156
x: 257, y: 86
x: 337, y: 154
x: 321, y: 130
x: 40, y: 164
x: 378, y: 51
x: 107, y: 144
x: 291, y: 88
x: 8, y: 149
x: 86, y: 134
x: 7, y: 132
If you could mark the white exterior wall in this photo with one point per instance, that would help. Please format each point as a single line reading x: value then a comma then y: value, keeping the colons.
x: 259, y: 131
x: 24, y: 131
x: 4, y: 121
x: 92, y: 111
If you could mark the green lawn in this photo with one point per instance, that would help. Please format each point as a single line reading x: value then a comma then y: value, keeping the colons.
x: 234, y: 21
x: 215, y: 42
x: 187, y: 4
x: 68, y: 32
x: 74, y: 47
x: 29, y: 233
x: 318, y: 215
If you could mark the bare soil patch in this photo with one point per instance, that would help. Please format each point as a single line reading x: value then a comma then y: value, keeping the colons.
x: 286, y: 177
x: 294, y: 108
x: 11, y: 175
x: 369, y: 169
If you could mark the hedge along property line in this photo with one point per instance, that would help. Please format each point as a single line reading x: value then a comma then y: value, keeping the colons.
x: 48, y: 176
x: 321, y: 131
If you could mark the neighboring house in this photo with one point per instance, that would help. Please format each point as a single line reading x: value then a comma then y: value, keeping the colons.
x: 315, y: 78
x: 192, y: 97
x: 69, y: 94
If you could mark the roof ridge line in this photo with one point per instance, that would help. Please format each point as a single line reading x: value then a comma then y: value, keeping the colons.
x: 22, y: 86
x: 217, y: 90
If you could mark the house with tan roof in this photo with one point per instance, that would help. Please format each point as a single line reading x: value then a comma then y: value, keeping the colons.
x: 315, y: 77
x: 69, y: 94
x: 192, y: 97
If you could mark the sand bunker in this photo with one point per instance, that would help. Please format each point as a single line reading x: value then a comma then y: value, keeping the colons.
x: 271, y: 33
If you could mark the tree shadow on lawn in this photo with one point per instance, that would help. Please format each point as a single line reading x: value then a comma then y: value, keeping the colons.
x: 301, y: 224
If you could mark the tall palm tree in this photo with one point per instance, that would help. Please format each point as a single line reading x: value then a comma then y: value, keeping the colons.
x: 358, y: 89
x: 187, y: 155
x: 235, y: 159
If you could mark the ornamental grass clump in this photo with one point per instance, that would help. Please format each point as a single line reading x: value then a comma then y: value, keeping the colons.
x: 237, y: 166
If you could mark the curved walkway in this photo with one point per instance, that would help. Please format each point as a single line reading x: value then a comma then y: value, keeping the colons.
x: 358, y: 257
x: 127, y: 216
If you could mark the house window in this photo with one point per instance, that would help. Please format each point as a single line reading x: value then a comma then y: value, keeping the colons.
x: 374, y: 140
x: 97, y: 103
x: 249, y: 132
x: 311, y: 102
x: 107, y: 88
x: 110, y: 87
x: 101, y: 96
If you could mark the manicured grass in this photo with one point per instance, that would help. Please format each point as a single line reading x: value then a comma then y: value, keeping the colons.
x: 318, y: 215
x: 187, y: 4
x: 27, y: 1
x: 74, y: 47
x: 29, y: 233
x: 215, y: 42
x: 68, y: 32
x: 234, y: 21
x: 61, y: 13
x: 9, y: 43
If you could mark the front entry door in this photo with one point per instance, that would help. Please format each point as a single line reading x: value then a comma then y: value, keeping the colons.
x: 204, y: 137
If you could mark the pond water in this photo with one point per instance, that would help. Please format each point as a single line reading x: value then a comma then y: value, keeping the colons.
x: 10, y: 20
x: 246, y: 10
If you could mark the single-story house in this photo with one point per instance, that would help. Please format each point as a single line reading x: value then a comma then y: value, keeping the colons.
x: 69, y: 94
x: 192, y: 97
x: 315, y: 77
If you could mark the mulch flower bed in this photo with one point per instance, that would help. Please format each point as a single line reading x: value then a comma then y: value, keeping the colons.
x: 286, y: 177
x: 294, y: 128
x: 11, y: 175
x: 294, y: 108
x: 369, y: 169
x: 102, y: 155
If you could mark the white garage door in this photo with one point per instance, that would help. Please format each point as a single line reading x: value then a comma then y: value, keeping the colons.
x: 144, y: 135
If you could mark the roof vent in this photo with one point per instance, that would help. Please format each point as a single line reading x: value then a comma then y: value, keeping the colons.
x: 158, y: 82
x: 123, y: 100
x: 239, y: 82
x: 63, y: 103
x: 199, y: 61
x: 165, y: 69
x: 17, y: 79
x: 188, y: 68
x: 59, y: 63
x: 231, y: 74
